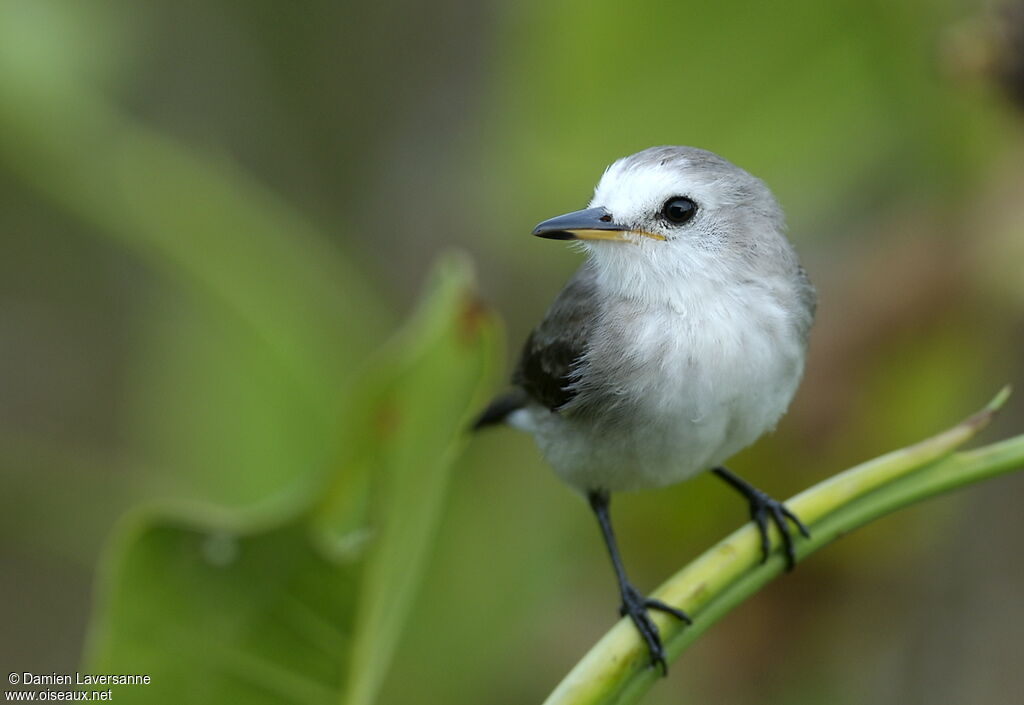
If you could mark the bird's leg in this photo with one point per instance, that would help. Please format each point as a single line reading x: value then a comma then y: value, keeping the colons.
x: 634, y: 604
x: 762, y: 509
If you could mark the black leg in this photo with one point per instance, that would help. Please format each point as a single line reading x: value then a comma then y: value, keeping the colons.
x: 633, y: 603
x: 763, y: 508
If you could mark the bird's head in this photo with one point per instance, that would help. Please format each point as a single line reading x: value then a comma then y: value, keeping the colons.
x: 679, y: 211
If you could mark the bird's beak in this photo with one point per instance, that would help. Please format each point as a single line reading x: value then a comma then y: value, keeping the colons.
x: 588, y: 224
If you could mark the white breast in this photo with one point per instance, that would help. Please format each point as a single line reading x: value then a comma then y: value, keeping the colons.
x: 668, y: 390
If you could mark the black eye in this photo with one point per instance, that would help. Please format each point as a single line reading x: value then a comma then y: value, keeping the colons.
x: 679, y: 210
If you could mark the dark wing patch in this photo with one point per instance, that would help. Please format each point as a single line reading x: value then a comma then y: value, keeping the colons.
x: 544, y: 370
x: 545, y: 366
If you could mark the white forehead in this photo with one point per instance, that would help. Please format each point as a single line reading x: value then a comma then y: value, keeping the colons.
x: 641, y: 183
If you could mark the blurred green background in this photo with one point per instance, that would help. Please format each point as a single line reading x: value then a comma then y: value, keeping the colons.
x: 211, y: 213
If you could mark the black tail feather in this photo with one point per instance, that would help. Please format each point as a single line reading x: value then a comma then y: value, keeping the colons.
x: 499, y: 409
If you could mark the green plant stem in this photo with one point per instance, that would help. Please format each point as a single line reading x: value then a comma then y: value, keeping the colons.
x: 616, y: 670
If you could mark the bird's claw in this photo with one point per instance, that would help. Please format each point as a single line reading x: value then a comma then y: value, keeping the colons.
x: 636, y: 606
x: 764, y: 509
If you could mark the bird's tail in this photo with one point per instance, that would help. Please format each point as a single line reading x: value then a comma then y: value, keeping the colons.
x: 499, y: 409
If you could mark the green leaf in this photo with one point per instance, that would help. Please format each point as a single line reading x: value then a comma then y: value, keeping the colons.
x: 216, y: 613
x: 305, y: 602
x: 416, y: 413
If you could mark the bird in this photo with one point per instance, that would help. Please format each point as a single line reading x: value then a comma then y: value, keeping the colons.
x: 679, y: 341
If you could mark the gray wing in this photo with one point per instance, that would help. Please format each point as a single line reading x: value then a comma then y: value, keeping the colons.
x: 545, y: 365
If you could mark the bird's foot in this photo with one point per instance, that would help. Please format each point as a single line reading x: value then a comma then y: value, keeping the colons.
x: 636, y: 606
x: 764, y: 509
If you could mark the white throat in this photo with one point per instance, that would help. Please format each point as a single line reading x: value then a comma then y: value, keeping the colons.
x: 653, y: 274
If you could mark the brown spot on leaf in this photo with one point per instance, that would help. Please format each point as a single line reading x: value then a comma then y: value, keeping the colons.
x: 386, y: 418
x: 472, y: 312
